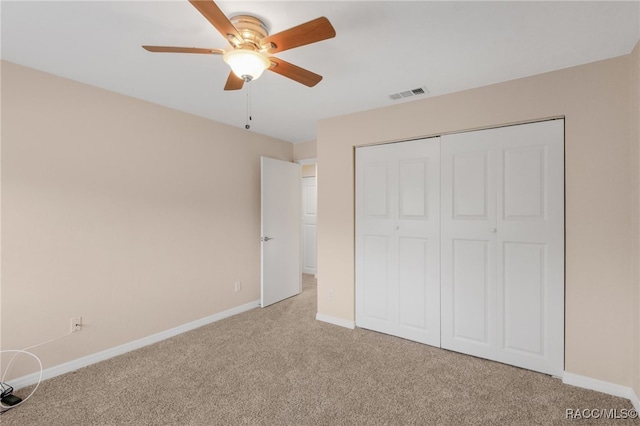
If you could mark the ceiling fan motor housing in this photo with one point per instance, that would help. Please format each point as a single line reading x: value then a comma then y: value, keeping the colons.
x: 251, y: 29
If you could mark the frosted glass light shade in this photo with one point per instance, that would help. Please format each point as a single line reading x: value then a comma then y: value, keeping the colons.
x: 246, y: 64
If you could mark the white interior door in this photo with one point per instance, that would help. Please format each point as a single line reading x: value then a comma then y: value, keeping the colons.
x: 503, y: 245
x: 309, y: 221
x: 280, y: 230
x: 397, y: 239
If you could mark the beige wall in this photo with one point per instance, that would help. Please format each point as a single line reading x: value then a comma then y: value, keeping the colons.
x: 1, y: 211
x: 302, y: 151
x: 635, y: 162
x: 137, y: 217
x: 595, y: 99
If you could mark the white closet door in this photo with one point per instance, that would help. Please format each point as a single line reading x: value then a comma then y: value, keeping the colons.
x: 503, y: 244
x: 530, y: 286
x: 469, y: 243
x: 397, y: 239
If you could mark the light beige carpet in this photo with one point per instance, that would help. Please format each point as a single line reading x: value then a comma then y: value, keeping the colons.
x: 279, y: 366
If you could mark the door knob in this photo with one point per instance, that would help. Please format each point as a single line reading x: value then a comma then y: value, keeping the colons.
x: 265, y: 239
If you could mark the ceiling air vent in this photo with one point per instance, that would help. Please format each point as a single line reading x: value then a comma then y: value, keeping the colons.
x: 409, y: 93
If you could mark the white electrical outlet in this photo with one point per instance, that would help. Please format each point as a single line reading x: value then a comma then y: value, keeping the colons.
x: 76, y: 324
x: 238, y: 286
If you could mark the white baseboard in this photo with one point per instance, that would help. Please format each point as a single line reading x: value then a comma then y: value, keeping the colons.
x: 336, y: 321
x: 602, y: 386
x: 76, y: 364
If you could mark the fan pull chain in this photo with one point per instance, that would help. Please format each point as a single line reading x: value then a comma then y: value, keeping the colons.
x: 247, y: 125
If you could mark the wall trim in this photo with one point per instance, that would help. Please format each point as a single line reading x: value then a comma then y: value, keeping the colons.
x: 602, y: 386
x: 336, y: 321
x: 76, y: 364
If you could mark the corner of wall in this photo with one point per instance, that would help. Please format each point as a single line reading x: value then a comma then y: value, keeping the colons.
x: 304, y: 150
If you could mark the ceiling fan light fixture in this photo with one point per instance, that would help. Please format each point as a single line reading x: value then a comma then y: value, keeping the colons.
x: 246, y: 64
x: 252, y: 46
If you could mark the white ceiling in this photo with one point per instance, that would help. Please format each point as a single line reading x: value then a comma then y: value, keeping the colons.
x: 381, y: 47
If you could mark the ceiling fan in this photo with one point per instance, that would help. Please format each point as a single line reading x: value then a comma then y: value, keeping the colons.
x: 252, y: 46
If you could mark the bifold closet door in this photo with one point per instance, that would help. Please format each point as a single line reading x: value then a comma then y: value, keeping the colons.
x: 397, y: 239
x: 503, y: 244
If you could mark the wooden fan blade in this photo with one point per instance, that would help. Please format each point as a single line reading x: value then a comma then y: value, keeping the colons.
x: 294, y: 72
x: 170, y: 49
x: 313, y: 31
x: 218, y: 19
x: 233, y: 82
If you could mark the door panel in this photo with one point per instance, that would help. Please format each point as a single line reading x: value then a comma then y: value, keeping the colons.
x: 524, y: 235
x: 471, y: 290
x: 413, y: 189
x: 309, y: 198
x: 524, y: 183
x: 309, y: 241
x: 524, y: 295
x: 470, y: 186
x: 468, y: 238
x: 375, y: 245
x: 468, y: 299
x: 376, y: 279
x: 397, y: 198
x: 280, y: 223
x: 309, y: 221
x: 413, y: 275
x: 530, y: 281
x: 376, y: 190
